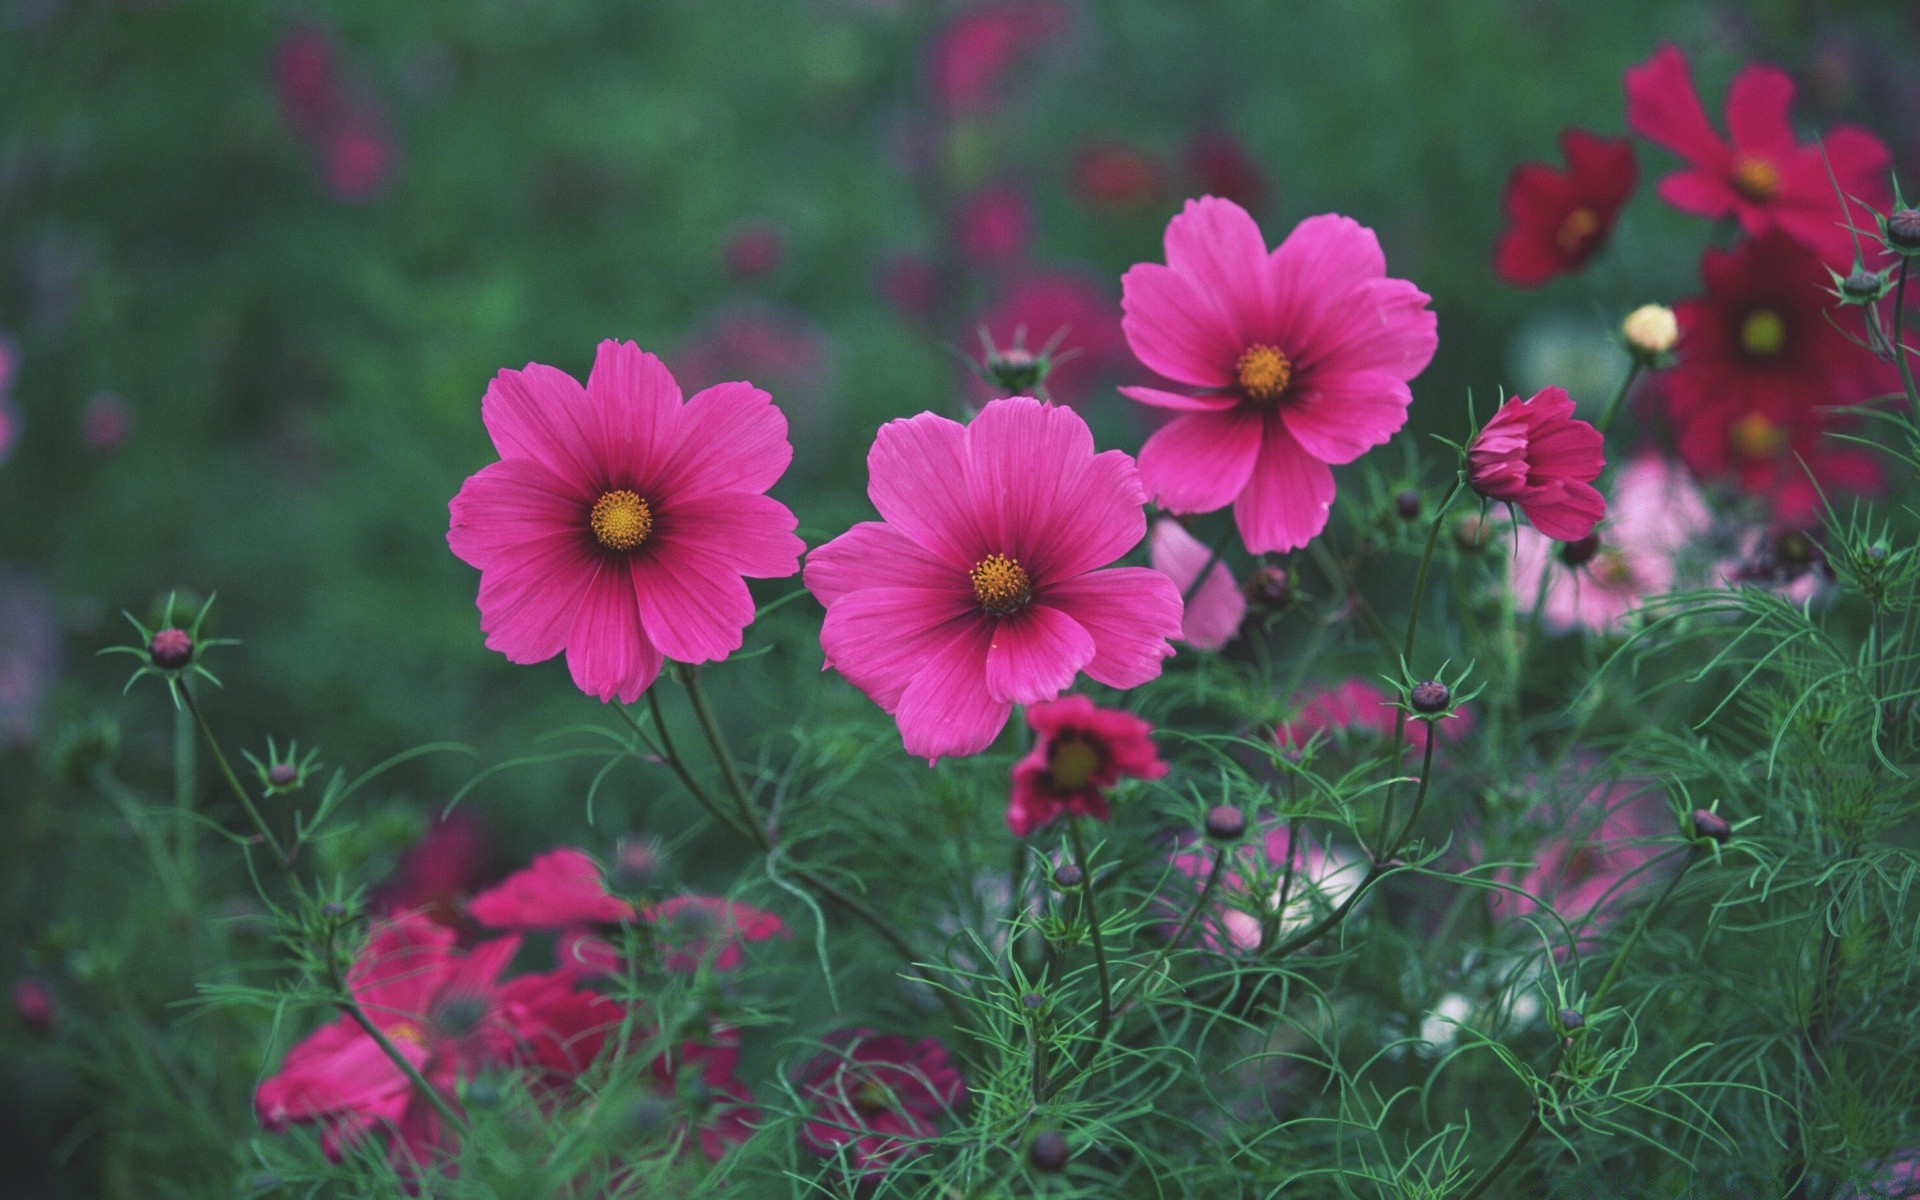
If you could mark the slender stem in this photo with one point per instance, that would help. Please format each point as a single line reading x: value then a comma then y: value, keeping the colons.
x: 1093, y: 927
x: 1514, y: 1148
x: 233, y: 781
x: 186, y: 786
x: 1336, y: 572
x: 345, y: 1002
x: 728, y: 771
x: 1219, y: 548
x: 1646, y: 918
x: 1420, y: 577
x: 1619, y: 398
x: 1179, y: 935
x: 1900, y: 341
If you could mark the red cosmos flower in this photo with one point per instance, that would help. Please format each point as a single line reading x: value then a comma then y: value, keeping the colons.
x: 1299, y: 359
x: 1536, y: 454
x: 1037, y: 307
x: 1081, y: 749
x: 982, y: 587
x: 1764, y: 176
x: 873, y: 1097
x: 1557, y: 221
x: 434, y: 874
x: 1759, y: 359
x: 619, y: 522
x: 559, y: 888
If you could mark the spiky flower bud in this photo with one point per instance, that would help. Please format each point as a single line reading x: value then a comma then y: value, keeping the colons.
x: 1049, y: 1152
x: 1225, y: 823
x: 1571, y: 1020
x: 1710, y: 826
x: 1066, y: 875
x: 1431, y: 697
x: 638, y: 866
x: 170, y: 649
x: 1269, y: 589
x: 1903, y: 229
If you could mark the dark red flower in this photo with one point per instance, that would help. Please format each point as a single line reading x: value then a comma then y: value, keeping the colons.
x: 968, y: 61
x: 1537, y: 454
x: 1759, y: 361
x: 435, y: 873
x: 1762, y: 174
x: 1220, y: 166
x: 1080, y: 750
x: 872, y: 1098
x: 1115, y: 177
x: 994, y: 225
x: 1557, y: 220
x: 1038, y: 307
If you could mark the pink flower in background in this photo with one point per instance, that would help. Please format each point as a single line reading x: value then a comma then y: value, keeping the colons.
x: 1249, y: 895
x: 1655, y: 513
x: 1115, y: 177
x: 29, y: 654
x: 981, y: 589
x: 872, y: 1098
x: 723, y: 1106
x: 10, y: 423
x: 969, y: 60
x: 1763, y: 175
x: 699, y: 929
x: 756, y: 340
x: 619, y: 522
x: 35, y: 1005
x: 1895, y: 1178
x: 356, y: 159
x: 1590, y: 856
x: 1035, y: 308
x: 754, y: 249
x: 1355, y: 705
x: 557, y: 889
x: 1215, y: 610
x: 435, y: 874
x: 994, y: 225
x: 105, y: 422
x: 1558, y: 220
x: 306, y: 79
x: 1784, y: 560
x: 344, y: 128
x: 910, y: 284
x: 1537, y: 454
x: 1220, y: 166
x: 1079, y: 751
x: 1299, y: 359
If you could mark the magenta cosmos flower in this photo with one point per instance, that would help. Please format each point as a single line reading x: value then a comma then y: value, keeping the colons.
x: 1537, y: 454
x: 619, y: 521
x: 981, y: 589
x: 1080, y: 750
x: 873, y: 1098
x: 1299, y: 359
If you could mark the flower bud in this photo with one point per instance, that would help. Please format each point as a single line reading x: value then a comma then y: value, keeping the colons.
x: 1407, y: 504
x: 1431, y: 697
x: 170, y: 649
x: 1066, y: 875
x: 1571, y: 1021
x: 638, y: 866
x: 1861, y: 285
x: 1473, y: 534
x: 1269, y: 589
x: 283, y: 775
x: 459, y: 1014
x: 34, y: 1004
x: 484, y: 1092
x: 1049, y: 1152
x: 1710, y: 826
x: 1903, y: 229
x: 1651, y: 330
x: 1581, y: 552
x: 1225, y: 823
x: 1033, y: 1001
x: 1016, y: 370
x: 333, y: 908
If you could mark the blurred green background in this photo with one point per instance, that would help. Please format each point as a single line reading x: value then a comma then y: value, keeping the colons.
x: 259, y: 261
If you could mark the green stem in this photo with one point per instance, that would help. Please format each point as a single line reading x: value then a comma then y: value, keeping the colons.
x: 1420, y: 577
x: 1646, y: 918
x: 1219, y: 548
x: 1088, y: 901
x: 344, y: 1001
x: 1179, y: 935
x: 186, y: 786
x: 233, y: 781
x: 1619, y: 398
x: 1514, y: 1148
x: 742, y: 800
x: 1900, y: 341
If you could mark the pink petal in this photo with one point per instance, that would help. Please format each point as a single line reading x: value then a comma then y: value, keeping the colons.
x: 917, y: 478
x: 1202, y: 461
x: 1035, y: 653
x: 1287, y: 501
x: 1214, y: 612
x: 1216, y: 245
x: 1381, y: 326
x: 636, y: 405
x: 1179, y: 401
x: 335, y: 1069
x: 607, y: 652
x: 528, y: 600
x: 947, y: 709
x: 732, y: 439
x: 1175, y: 330
x: 1698, y: 193
x: 1044, y: 497
x: 693, y: 606
x: 1663, y: 107
x: 881, y: 637
x: 559, y: 888
x: 542, y: 413
x: 874, y: 554
x: 1570, y: 515
x: 1338, y: 418
x: 507, y: 504
x: 1132, y: 613
x: 1325, y: 257
x: 1757, y: 105
x: 751, y: 533
x: 402, y: 967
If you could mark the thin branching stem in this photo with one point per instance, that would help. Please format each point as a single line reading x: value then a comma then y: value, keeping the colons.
x: 1899, y: 339
x: 233, y: 781
x: 1091, y: 904
x: 1179, y: 934
x: 344, y: 1001
x: 1612, y: 409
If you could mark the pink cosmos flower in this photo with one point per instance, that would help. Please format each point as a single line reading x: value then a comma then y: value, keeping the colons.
x: 1537, y: 454
x: 1214, y: 610
x: 557, y: 889
x: 1220, y: 164
x: 980, y: 588
x: 1080, y: 750
x: 105, y: 422
x: 873, y: 1098
x: 1354, y: 705
x: 1249, y: 895
x: 1783, y: 560
x: 968, y: 60
x: 1762, y: 175
x: 1115, y: 177
x: 994, y: 225
x: 1655, y: 513
x: 910, y: 284
x: 1590, y: 857
x: 1299, y: 359
x: 619, y: 521
x: 435, y: 874
x: 357, y: 158
x: 753, y: 249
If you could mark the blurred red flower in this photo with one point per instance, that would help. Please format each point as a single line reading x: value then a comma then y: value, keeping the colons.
x: 1556, y: 220
x: 969, y: 59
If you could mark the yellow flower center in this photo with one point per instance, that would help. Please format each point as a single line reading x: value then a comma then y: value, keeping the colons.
x: 1579, y: 225
x: 1001, y: 584
x: 1755, y: 437
x: 1072, y: 763
x: 406, y: 1031
x: 1611, y: 569
x: 1763, y: 333
x: 1756, y: 179
x: 1264, y: 372
x: 621, y: 520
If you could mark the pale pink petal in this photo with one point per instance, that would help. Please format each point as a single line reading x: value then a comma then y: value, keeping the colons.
x: 874, y: 554
x: 1132, y: 613
x: 1216, y: 245
x: 1215, y: 610
x: 1325, y: 257
x: 917, y: 478
x: 1338, y: 417
x: 751, y: 533
x: 694, y: 607
x: 732, y: 439
x: 542, y: 413
x: 947, y: 709
x: 1042, y: 494
x: 1201, y: 461
x: 1287, y: 501
x: 881, y: 637
x: 1174, y: 329
x: 607, y: 651
x: 1179, y: 401
x: 1035, y: 653
x: 636, y: 404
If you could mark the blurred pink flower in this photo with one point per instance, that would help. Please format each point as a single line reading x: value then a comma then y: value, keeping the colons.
x: 872, y: 1098
x: 1355, y: 705
x: 1213, y: 612
x: 1655, y: 512
x: 1895, y: 1178
x: 754, y: 249
x: 35, y: 1005
x: 105, y: 422
x: 910, y: 284
x: 986, y: 585
x: 1035, y: 307
x: 1079, y: 751
x: 342, y: 125
x: 10, y: 423
x: 436, y: 873
x: 778, y: 346
x: 557, y: 889
x: 306, y: 79
x: 29, y: 654
x: 1248, y: 897
x: 1115, y: 177
x: 1787, y: 561
x: 969, y: 59
x: 356, y: 159
x: 1589, y: 855
x: 994, y: 225
x: 1220, y: 166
